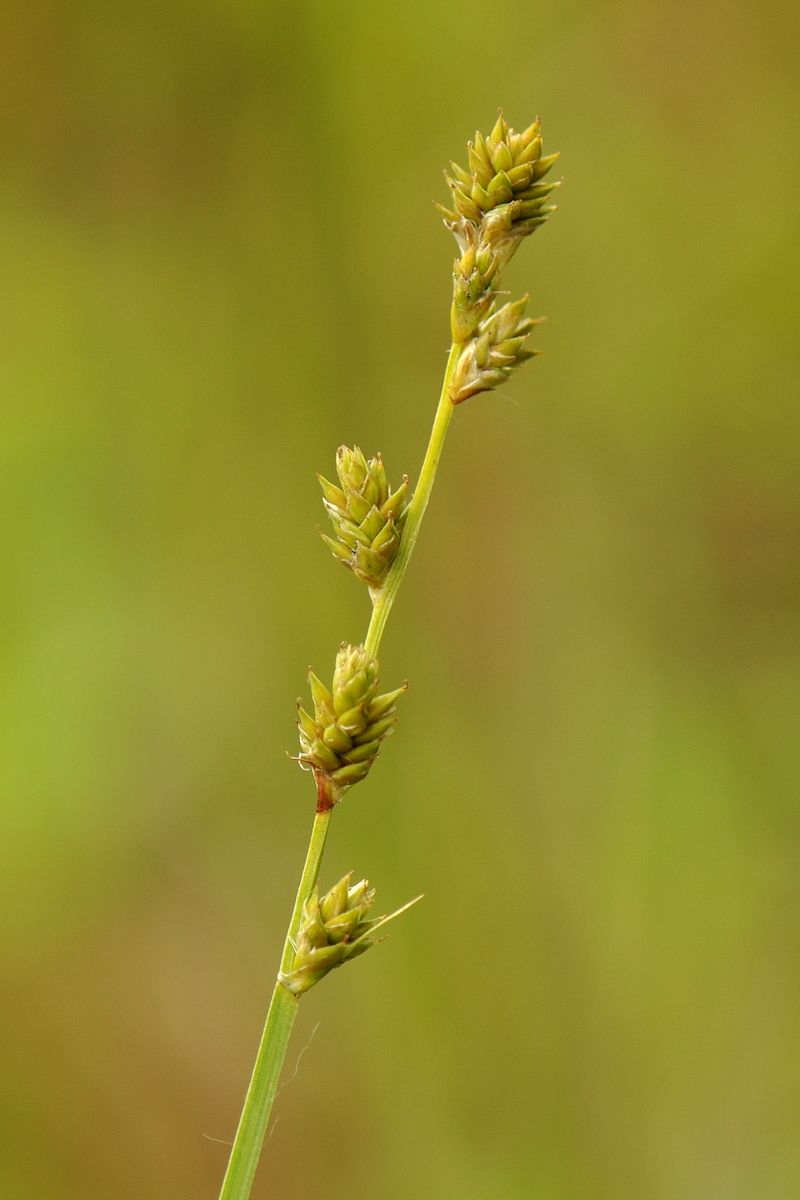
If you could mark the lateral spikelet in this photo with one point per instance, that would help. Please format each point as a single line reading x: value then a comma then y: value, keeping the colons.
x: 333, y: 930
x: 341, y: 741
x: 367, y: 516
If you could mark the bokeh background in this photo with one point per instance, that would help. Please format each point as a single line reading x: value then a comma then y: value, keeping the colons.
x: 220, y: 261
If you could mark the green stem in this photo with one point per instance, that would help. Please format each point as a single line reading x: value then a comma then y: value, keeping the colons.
x: 263, y: 1087
x: 272, y: 1051
x: 416, y: 510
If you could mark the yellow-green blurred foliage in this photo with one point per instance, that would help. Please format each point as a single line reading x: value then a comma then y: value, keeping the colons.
x: 220, y: 261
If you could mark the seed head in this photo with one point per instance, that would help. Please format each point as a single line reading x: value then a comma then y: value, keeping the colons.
x: 333, y: 930
x: 367, y: 516
x: 504, y: 182
x: 497, y: 202
x: 492, y: 355
x: 343, y: 738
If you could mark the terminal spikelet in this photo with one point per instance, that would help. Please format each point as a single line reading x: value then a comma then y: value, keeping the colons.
x: 500, y: 200
x: 341, y: 741
x: 367, y: 516
x: 333, y: 930
x: 502, y: 190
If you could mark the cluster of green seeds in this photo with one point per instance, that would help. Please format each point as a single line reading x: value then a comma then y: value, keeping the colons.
x: 367, y: 516
x: 497, y: 203
x: 333, y: 930
x: 341, y: 741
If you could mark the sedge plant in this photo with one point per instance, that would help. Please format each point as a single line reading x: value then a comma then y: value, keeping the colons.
x: 497, y: 201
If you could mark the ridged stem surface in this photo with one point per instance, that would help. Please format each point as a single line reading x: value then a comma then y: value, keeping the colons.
x: 263, y: 1087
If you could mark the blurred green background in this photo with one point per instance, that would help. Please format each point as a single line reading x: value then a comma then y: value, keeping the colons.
x: 220, y: 261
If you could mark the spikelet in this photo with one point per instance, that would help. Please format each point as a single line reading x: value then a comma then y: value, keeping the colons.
x: 333, y: 930
x: 497, y: 203
x: 494, y: 353
x: 341, y: 741
x: 502, y: 192
x: 367, y: 516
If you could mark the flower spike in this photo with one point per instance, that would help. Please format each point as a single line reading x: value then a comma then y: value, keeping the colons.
x: 367, y: 516
x: 333, y: 930
x: 497, y: 203
x: 341, y: 741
